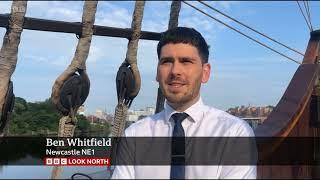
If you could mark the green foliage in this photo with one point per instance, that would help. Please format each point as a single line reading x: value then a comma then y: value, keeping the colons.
x: 269, y: 106
x: 83, y: 125
x: 84, y: 128
x: 42, y: 118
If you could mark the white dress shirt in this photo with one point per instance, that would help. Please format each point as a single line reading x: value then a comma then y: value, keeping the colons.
x: 203, y: 121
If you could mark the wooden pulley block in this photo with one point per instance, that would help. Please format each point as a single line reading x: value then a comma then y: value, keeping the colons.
x: 74, y: 92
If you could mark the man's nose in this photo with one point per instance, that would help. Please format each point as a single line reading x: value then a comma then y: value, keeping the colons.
x: 176, y: 68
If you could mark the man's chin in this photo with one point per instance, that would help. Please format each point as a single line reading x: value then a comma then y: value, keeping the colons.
x: 174, y: 99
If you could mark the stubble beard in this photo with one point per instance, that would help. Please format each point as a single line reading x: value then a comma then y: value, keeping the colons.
x: 183, y: 98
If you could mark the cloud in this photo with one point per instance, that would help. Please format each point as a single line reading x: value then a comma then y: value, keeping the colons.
x: 58, y: 61
x: 225, y: 4
x: 56, y: 10
x: 96, y: 53
x: 155, y: 26
x: 194, y: 18
x: 68, y: 14
x: 5, y: 7
x: 113, y: 15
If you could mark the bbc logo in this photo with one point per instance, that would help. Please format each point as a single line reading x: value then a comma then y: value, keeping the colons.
x: 48, y: 161
x: 56, y: 161
x: 63, y: 161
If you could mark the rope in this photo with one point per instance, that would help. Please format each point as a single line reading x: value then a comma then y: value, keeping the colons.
x: 174, y: 14
x: 78, y: 62
x: 121, y: 110
x: 256, y: 31
x: 173, y: 22
x: 8, y: 55
x: 307, y: 7
x: 304, y: 16
x: 131, y: 55
x: 131, y: 59
x: 242, y: 33
x: 67, y: 124
x: 119, y: 121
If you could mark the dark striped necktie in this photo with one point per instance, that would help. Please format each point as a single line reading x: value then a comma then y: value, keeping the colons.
x: 178, y: 147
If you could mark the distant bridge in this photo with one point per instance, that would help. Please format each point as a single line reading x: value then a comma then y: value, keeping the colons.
x: 254, y: 121
x: 253, y: 118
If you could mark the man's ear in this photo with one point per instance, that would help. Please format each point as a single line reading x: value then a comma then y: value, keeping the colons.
x: 157, y: 79
x: 206, y: 70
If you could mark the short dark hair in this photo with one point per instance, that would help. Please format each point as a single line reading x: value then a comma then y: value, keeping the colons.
x: 187, y: 36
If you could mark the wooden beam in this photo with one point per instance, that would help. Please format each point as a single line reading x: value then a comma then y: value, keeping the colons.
x: 76, y: 27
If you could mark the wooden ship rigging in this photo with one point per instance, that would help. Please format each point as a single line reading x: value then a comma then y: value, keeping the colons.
x: 297, y: 114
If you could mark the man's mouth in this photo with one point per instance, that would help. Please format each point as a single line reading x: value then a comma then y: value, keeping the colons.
x: 175, y: 85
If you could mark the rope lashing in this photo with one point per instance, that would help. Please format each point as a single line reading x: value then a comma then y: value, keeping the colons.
x: 128, y: 80
x: 71, y: 88
x: 120, y: 117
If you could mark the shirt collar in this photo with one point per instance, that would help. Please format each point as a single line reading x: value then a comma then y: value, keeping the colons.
x: 195, y: 111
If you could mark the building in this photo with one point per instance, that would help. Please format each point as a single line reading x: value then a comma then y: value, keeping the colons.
x: 81, y: 110
x: 253, y: 115
x: 135, y: 115
x: 100, y: 114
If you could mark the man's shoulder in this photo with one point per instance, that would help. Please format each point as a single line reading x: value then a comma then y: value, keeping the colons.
x: 143, y: 125
x: 235, y: 126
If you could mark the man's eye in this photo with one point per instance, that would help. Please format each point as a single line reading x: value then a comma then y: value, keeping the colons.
x: 186, y: 61
x: 165, y: 61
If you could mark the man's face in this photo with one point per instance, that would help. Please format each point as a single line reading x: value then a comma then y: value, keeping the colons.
x: 180, y: 73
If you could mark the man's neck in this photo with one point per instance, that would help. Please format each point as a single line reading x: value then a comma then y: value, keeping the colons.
x: 180, y: 107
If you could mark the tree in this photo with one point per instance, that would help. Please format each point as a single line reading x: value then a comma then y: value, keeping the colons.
x: 42, y: 118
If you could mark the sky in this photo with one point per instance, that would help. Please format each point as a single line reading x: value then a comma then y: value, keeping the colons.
x: 243, y: 72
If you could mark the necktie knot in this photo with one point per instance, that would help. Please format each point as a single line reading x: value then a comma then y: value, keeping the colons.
x: 179, y: 117
x: 178, y: 129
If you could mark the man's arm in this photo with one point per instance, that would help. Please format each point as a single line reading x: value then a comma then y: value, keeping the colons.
x: 123, y: 172
x: 238, y: 172
x: 124, y: 157
x: 243, y: 150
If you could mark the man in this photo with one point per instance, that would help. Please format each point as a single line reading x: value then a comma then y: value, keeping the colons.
x: 182, y: 68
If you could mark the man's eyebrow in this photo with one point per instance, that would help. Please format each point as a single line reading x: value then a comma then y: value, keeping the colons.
x: 186, y: 58
x: 166, y: 58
